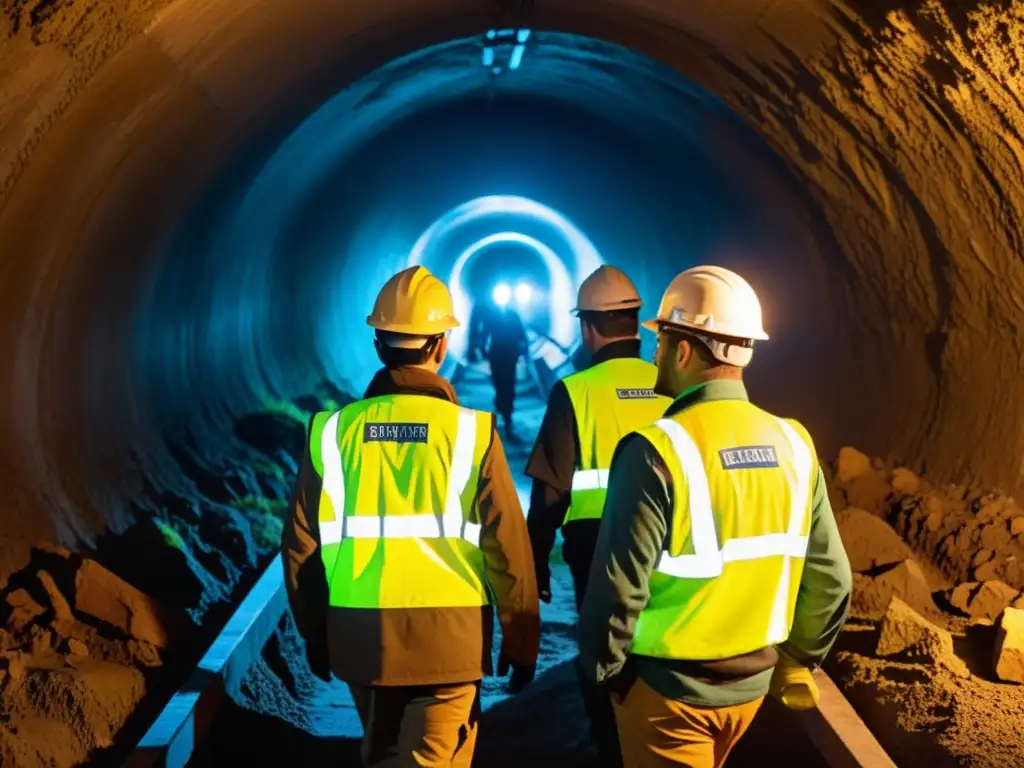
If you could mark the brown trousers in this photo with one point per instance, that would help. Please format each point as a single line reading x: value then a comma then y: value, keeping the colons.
x: 426, y: 726
x: 656, y: 732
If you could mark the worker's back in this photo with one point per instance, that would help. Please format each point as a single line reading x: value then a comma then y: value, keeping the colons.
x: 742, y: 482
x: 399, y: 528
x: 403, y: 535
x: 610, y: 400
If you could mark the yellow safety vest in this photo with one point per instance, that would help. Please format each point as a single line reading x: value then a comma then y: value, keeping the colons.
x: 743, y: 484
x: 399, y: 526
x: 610, y: 399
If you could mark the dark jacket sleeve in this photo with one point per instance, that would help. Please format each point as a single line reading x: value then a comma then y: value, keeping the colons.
x: 553, y: 459
x: 823, y: 600
x: 551, y: 465
x: 508, y: 557
x: 548, y: 506
x: 633, y: 529
x: 304, y: 577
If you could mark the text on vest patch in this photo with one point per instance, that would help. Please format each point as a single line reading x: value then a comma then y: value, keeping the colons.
x: 394, y: 432
x: 749, y: 457
x: 635, y: 394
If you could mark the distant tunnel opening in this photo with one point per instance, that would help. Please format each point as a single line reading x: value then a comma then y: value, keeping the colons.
x: 511, y: 275
x: 508, y: 252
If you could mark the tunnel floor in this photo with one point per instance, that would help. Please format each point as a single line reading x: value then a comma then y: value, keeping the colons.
x: 905, y: 538
x: 282, y: 712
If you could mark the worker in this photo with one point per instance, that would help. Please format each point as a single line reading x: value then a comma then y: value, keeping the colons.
x: 500, y: 335
x: 718, y: 559
x: 403, y: 537
x: 587, y: 413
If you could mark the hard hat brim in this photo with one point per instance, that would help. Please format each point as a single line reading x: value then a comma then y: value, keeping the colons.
x: 412, y: 329
x: 627, y: 304
x: 652, y: 325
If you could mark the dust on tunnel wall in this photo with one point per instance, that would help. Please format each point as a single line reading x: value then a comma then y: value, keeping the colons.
x: 901, y: 128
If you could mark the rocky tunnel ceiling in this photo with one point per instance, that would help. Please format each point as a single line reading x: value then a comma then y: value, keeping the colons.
x: 156, y: 155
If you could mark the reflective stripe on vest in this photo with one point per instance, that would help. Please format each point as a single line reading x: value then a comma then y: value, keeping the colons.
x: 727, y: 581
x: 398, y: 521
x: 371, y: 525
x: 589, y: 479
x: 609, y: 400
x: 707, y: 560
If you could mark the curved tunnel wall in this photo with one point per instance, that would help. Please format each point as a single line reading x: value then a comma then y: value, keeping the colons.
x: 898, y: 144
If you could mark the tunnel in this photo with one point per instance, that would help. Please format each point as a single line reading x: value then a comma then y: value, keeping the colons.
x: 201, y: 198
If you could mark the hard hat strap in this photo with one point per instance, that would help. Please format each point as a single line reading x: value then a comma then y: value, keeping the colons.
x: 396, y: 357
x: 728, y: 350
x: 734, y: 352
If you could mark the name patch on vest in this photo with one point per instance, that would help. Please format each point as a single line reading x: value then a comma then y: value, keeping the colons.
x: 749, y: 457
x: 394, y: 432
x: 635, y: 394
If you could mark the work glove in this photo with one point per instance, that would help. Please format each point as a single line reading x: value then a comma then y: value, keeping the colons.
x: 793, y: 684
x: 620, y: 684
x: 544, y: 585
x: 521, y: 676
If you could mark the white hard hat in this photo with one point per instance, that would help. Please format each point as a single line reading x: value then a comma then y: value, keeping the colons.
x: 711, y: 303
x: 605, y: 290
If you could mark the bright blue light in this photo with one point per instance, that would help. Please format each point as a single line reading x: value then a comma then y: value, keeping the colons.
x: 579, y: 256
x: 524, y: 292
x: 517, y: 57
x: 488, y: 57
x: 522, y: 35
x: 502, y: 294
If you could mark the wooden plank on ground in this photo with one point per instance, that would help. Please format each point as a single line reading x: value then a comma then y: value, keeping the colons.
x: 838, y: 732
x: 172, y: 739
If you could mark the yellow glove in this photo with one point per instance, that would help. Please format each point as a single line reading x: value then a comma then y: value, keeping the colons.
x: 793, y: 684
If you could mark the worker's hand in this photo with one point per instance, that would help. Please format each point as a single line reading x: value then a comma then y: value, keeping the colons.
x: 521, y: 676
x: 619, y: 686
x: 544, y: 585
x: 504, y: 662
x: 793, y: 684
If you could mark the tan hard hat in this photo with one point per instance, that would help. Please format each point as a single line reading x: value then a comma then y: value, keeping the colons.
x: 607, y: 289
x: 713, y: 302
x: 413, y: 302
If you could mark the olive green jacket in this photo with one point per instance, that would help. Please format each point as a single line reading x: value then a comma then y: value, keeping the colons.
x: 637, y: 517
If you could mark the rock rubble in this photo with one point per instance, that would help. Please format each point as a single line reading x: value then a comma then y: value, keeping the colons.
x: 935, y: 642
x: 84, y: 637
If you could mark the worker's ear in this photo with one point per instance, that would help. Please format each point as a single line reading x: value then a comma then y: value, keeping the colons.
x: 683, y: 352
x: 441, y: 350
x: 586, y: 333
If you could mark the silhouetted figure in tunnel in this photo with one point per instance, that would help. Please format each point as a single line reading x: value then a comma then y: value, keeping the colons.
x: 498, y: 332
